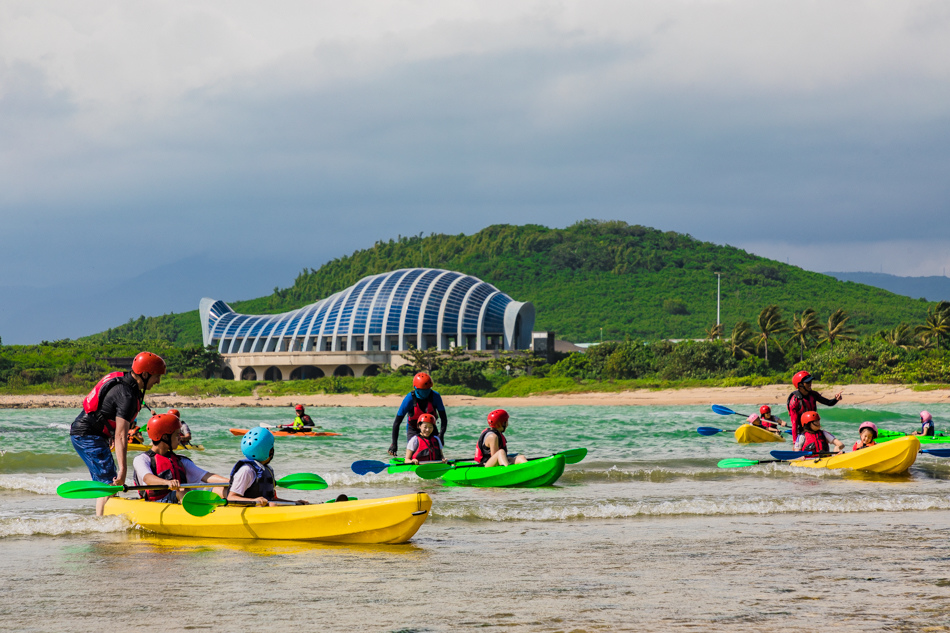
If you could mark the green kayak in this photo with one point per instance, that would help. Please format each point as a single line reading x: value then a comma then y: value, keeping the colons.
x: 531, y: 474
x: 884, y: 435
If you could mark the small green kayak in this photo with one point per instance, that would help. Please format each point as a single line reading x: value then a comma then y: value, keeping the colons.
x: 884, y: 435
x: 531, y: 474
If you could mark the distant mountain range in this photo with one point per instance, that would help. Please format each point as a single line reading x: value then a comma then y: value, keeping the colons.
x: 929, y: 288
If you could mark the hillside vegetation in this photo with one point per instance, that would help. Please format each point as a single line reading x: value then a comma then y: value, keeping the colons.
x: 632, y: 281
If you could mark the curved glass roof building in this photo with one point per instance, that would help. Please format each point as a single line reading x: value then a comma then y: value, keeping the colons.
x: 421, y: 307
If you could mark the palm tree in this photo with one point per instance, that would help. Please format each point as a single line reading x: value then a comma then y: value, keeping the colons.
x: 714, y: 331
x: 740, y: 344
x: 838, y: 328
x: 937, y: 324
x: 771, y: 324
x: 901, y: 336
x: 805, y: 328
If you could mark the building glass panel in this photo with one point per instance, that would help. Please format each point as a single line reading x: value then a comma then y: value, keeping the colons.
x: 414, y: 304
x: 430, y: 318
x: 365, y: 303
x: 495, y: 315
x: 450, y: 321
x: 379, y: 307
x: 399, y: 298
x: 474, y: 307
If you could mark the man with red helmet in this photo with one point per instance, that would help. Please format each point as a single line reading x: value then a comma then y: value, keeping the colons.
x: 422, y: 399
x: 107, y: 414
x: 492, y: 447
x: 161, y: 466
x: 302, y: 422
x: 803, y: 399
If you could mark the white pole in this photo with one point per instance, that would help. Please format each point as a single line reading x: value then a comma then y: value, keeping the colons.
x: 718, y: 295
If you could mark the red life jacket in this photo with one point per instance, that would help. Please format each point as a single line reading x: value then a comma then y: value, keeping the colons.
x: 417, y: 410
x: 859, y: 445
x: 803, y: 404
x: 767, y: 424
x: 167, y: 467
x: 482, y: 451
x: 93, y: 400
x: 429, y: 449
x: 815, y: 442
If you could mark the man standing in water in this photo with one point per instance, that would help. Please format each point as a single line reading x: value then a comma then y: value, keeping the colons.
x: 107, y: 414
x: 422, y: 399
x: 805, y: 399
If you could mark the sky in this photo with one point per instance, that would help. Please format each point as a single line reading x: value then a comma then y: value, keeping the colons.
x: 273, y: 136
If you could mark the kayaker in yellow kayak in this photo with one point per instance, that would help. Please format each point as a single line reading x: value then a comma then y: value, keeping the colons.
x: 251, y: 478
x: 812, y: 439
x: 868, y: 433
x: 161, y: 466
x: 492, y: 448
x: 755, y: 420
x: 926, y: 425
x: 185, y: 431
x: 767, y: 420
x: 135, y: 433
x: 425, y: 447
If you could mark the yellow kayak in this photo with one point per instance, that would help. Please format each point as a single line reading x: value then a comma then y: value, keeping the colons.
x: 143, y: 447
x: 387, y: 520
x: 889, y: 458
x: 748, y: 434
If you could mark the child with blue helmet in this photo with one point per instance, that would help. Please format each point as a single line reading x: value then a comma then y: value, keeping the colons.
x: 251, y: 478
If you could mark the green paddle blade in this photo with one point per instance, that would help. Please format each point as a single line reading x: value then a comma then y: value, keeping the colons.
x: 736, y: 463
x: 86, y: 490
x: 401, y: 468
x: 302, y: 481
x: 199, y: 503
x: 574, y: 455
x: 432, y: 471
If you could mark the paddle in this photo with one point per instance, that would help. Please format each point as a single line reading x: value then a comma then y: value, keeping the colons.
x: 365, y: 466
x: 721, y: 410
x: 96, y: 489
x: 709, y: 430
x: 199, y: 503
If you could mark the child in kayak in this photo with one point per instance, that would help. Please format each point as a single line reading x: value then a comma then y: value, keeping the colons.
x: 767, y: 420
x: 492, y: 448
x: 135, y: 433
x: 251, y: 478
x: 161, y: 466
x: 185, y: 431
x: 755, y: 420
x: 868, y: 433
x: 812, y: 439
x: 425, y: 447
x: 926, y: 425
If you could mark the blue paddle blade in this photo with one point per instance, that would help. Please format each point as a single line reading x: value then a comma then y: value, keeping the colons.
x: 789, y: 431
x: 708, y: 430
x: 937, y: 452
x: 788, y: 454
x: 368, y: 466
x: 721, y: 410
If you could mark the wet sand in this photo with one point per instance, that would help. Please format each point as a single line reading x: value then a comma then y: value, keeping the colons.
x: 853, y: 395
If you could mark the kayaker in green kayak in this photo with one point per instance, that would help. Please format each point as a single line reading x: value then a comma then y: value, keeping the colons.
x: 926, y: 425
x: 161, y: 466
x: 492, y: 448
x: 425, y: 447
x: 251, y: 478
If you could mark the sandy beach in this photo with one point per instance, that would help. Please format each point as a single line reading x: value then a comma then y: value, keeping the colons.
x: 771, y: 394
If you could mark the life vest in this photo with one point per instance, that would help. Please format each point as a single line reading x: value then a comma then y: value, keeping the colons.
x: 263, y: 485
x: 859, y: 445
x: 418, y: 408
x: 815, y: 442
x: 482, y: 451
x: 808, y: 403
x: 429, y: 449
x: 167, y: 467
x: 93, y: 401
x: 768, y: 424
x: 927, y: 429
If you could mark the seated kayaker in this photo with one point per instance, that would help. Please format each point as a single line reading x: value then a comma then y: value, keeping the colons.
x: 926, y: 425
x: 812, y: 439
x: 185, y: 431
x: 251, y: 478
x: 161, y: 466
x: 302, y: 422
x: 425, y: 447
x: 492, y: 448
x: 135, y: 433
x: 868, y: 433
x: 767, y: 420
x: 756, y: 421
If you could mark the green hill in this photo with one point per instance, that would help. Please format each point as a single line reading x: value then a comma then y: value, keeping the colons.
x: 629, y: 280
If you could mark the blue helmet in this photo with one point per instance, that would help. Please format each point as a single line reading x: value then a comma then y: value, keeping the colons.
x: 257, y: 444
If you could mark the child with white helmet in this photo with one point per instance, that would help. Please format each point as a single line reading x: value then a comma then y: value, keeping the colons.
x: 251, y: 478
x: 868, y: 433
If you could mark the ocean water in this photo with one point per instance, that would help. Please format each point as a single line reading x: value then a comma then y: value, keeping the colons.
x: 644, y: 534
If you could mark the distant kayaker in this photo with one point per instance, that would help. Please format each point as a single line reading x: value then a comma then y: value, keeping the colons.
x: 425, y: 447
x: 755, y: 420
x: 161, y: 466
x: 492, y: 448
x: 302, y: 422
x: 767, y: 420
x: 422, y: 399
x: 805, y: 399
x: 868, y: 433
x: 252, y: 479
x: 926, y: 425
x: 108, y: 412
x: 812, y: 439
x: 135, y: 433
x: 185, y: 431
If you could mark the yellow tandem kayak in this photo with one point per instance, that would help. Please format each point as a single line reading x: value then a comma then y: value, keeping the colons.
x: 748, y: 434
x: 889, y: 458
x: 387, y: 520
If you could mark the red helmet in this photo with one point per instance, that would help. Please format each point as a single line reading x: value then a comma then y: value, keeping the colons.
x: 810, y: 416
x: 175, y: 412
x: 799, y: 378
x: 498, y: 418
x: 422, y: 380
x: 765, y: 409
x: 148, y: 363
x: 426, y: 417
x: 299, y: 407
x: 161, y: 425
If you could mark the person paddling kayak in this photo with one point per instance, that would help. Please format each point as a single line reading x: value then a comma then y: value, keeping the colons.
x: 422, y: 399
x: 252, y: 479
x: 425, y: 447
x: 812, y: 439
x: 767, y: 420
x: 302, y: 422
x: 926, y: 425
x: 803, y: 399
x: 492, y: 447
x: 106, y: 417
x: 160, y: 465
